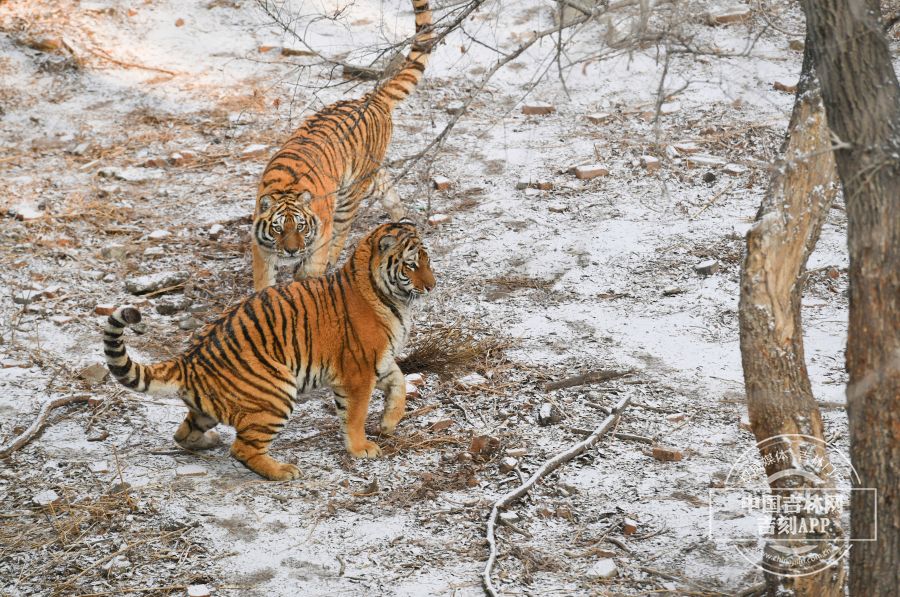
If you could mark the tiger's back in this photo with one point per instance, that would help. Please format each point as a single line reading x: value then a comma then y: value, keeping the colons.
x: 247, y: 368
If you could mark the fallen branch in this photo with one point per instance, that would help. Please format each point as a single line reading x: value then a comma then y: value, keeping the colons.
x: 27, y: 435
x: 545, y: 469
x: 586, y: 378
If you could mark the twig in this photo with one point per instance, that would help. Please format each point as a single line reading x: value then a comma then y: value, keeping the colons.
x: 546, y: 468
x: 27, y: 435
x: 105, y: 56
x: 586, y: 378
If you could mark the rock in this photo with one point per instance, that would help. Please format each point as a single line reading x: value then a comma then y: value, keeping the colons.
x: 472, y: 379
x: 131, y: 174
x: 707, y: 268
x: 255, y: 150
x: 153, y: 163
x: 100, y: 466
x: 415, y: 379
x: 538, y: 109
x: 590, y: 171
x: 484, y: 446
x: 104, y: 309
x: 190, y: 470
x: 509, y: 517
x: 557, y: 207
x: 548, y: 415
x: 704, y: 161
x: 441, y: 183
x: 564, y: 512
x: 726, y: 16
x: 26, y: 297
x: 154, y: 253
x: 12, y: 363
x: 528, y: 182
x: 708, y: 177
x: 172, y: 305
x: 508, y: 464
x: 45, y: 498
x: 669, y: 108
x: 215, y: 231
x: 517, y: 452
x: 189, y: 322
x: 676, y: 418
x: 672, y: 290
x: 667, y: 454
x: 603, y: 569
x: 154, y: 282
x: 179, y: 22
x: 796, y: 45
x: 785, y: 86
x: 117, y: 565
x: 650, y: 163
x: 455, y: 107
x: 438, y: 219
x: 109, y: 278
x: 94, y: 374
x: 114, y: 252
x: 629, y: 527
x: 744, y: 423
x: 734, y: 169
x: 25, y: 212
x: 198, y: 591
x: 60, y: 319
x: 686, y: 148
x: 80, y: 149
x: 441, y: 425
x: 411, y: 391
x: 598, y: 117
x: 158, y: 234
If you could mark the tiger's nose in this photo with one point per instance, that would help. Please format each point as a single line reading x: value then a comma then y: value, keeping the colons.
x: 291, y: 252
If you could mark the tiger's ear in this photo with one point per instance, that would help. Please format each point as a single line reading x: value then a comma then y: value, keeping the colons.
x: 265, y: 202
x: 386, y: 242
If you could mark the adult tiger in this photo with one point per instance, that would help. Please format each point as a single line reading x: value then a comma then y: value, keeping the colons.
x: 246, y: 369
x: 312, y: 187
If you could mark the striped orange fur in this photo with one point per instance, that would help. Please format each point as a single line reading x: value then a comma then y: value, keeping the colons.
x: 246, y: 369
x: 312, y: 187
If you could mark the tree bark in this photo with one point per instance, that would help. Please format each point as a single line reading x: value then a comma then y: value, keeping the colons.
x: 779, y: 395
x: 862, y: 100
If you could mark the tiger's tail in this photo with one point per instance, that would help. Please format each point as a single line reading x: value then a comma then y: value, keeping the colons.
x: 398, y: 87
x: 161, y: 378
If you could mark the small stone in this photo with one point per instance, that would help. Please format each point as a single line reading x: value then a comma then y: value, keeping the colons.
x: 45, y: 43
x: 158, y: 234
x: 734, y: 169
x: 45, y: 498
x: 590, y: 171
x: 629, y: 526
x: 507, y: 464
x: 12, y: 363
x: 472, y: 379
x: 603, y: 569
x: 115, y: 566
x: 796, y: 45
x: 255, y: 150
x: 669, y: 108
x: 190, y: 470
x: 198, y: 591
x: 153, y: 163
x: 650, y: 163
x: 734, y: 14
x: 441, y: 183
x: 707, y: 268
x: 509, y: 517
x: 667, y: 454
x: 517, y: 452
x: 60, y: 319
x: 785, y: 86
x: 548, y: 415
x: 25, y: 212
x: 109, y: 277
x: 131, y: 174
x: 154, y: 282
x: 415, y: 379
x: 113, y: 252
x: 538, y: 109
x: 564, y: 512
x: 411, y: 391
x: 704, y: 161
x: 455, y: 107
x: 598, y: 117
x: 80, y: 149
x: 528, y: 182
x: 744, y: 423
x: 104, y: 309
x: 441, y: 425
x: 172, y: 305
x: 265, y: 49
x: 179, y: 22
x: 215, y: 231
x: 154, y: 252
x: 687, y: 148
x: 94, y: 374
x: 100, y: 466
x: 438, y: 219
x: 676, y: 418
x: 672, y: 290
x: 26, y: 296
x: 484, y: 446
x: 189, y: 322
x: 708, y: 177
x: 557, y: 207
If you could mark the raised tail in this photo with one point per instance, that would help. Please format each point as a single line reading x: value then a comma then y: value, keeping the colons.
x: 398, y: 87
x: 161, y: 378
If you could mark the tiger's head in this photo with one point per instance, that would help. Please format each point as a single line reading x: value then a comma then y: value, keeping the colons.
x: 285, y: 225
x: 399, y: 262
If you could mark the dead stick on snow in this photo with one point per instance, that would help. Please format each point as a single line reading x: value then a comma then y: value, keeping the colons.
x: 27, y: 435
x: 546, y: 468
x: 586, y: 378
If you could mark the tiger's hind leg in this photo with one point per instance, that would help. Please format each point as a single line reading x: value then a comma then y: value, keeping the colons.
x: 257, y: 423
x: 194, y: 432
x: 393, y: 384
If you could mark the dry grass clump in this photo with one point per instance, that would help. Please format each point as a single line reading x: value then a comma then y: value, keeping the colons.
x: 447, y: 350
x: 512, y: 283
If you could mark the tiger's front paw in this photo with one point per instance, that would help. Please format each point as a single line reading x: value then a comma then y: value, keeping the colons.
x: 365, y: 449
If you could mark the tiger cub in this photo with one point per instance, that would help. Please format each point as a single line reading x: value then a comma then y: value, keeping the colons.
x: 246, y: 369
x: 311, y: 188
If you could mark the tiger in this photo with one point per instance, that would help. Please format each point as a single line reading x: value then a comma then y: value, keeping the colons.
x: 311, y: 188
x: 247, y: 368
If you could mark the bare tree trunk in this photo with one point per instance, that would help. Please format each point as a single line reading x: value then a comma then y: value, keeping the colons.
x: 862, y: 99
x: 779, y: 396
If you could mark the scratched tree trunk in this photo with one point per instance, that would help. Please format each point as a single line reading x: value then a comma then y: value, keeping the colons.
x: 779, y: 396
x: 862, y: 98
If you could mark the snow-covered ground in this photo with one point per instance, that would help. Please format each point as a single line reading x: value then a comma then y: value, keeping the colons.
x: 590, y: 274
